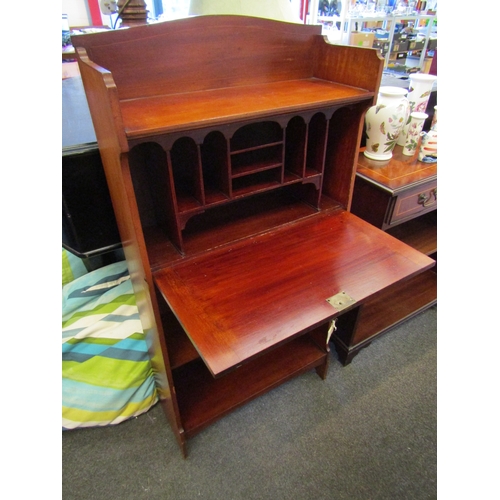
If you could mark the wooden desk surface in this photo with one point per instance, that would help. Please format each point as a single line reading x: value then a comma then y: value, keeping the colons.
x: 398, y: 173
x: 244, y: 298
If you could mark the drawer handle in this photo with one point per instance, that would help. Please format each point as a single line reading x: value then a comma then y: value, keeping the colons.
x: 425, y: 200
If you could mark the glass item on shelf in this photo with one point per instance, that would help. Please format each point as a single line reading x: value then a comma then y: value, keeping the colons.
x: 384, y: 122
x: 414, y: 131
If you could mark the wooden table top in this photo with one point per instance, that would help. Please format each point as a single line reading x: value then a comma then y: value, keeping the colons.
x: 398, y: 173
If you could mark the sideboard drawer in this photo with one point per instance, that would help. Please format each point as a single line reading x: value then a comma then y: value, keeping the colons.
x: 414, y: 202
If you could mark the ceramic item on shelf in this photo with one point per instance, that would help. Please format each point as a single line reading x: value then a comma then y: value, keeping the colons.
x: 414, y: 131
x: 418, y: 97
x: 384, y: 122
x: 428, y: 147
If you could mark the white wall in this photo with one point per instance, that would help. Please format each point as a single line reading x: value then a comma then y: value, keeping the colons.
x: 77, y: 11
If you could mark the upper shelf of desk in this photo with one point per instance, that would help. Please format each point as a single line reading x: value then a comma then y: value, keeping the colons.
x: 239, y: 68
x: 176, y: 112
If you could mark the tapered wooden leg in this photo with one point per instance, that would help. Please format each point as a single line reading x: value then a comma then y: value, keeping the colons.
x: 178, y: 431
x: 322, y: 370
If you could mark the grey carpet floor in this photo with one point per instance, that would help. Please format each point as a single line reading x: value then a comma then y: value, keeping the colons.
x: 369, y: 431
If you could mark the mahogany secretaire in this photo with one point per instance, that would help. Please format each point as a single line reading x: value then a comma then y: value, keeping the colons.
x: 229, y: 145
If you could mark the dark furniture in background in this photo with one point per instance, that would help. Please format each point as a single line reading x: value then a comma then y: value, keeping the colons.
x: 88, y: 223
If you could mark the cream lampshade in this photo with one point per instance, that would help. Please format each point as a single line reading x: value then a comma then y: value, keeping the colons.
x: 280, y: 10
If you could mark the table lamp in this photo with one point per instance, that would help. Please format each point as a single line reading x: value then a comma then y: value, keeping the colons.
x: 132, y: 12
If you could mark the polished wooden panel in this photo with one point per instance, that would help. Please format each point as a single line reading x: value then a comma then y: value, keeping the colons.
x: 245, y: 298
x: 340, y: 64
x: 201, y: 53
x: 344, y: 136
x: 103, y: 103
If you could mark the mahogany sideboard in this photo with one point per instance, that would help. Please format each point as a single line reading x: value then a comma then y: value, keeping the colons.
x: 229, y: 145
x: 398, y: 196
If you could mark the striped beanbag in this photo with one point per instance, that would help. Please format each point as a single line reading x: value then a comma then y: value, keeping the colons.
x: 106, y: 369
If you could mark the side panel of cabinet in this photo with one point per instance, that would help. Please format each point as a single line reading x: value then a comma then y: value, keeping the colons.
x: 149, y: 311
x: 344, y: 135
x: 370, y: 203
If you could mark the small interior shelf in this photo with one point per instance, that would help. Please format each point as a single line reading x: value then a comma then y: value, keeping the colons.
x: 256, y: 135
x: 258, y: 181
x: 256, y: 159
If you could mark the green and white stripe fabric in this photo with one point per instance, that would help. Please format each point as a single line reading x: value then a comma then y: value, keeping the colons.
x: 107, y: 373
x: 72, y: 267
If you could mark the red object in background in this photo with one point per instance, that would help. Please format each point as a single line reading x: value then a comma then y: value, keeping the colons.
x: 304, y: 7
x: 95, y: 12
x: 434, y: 64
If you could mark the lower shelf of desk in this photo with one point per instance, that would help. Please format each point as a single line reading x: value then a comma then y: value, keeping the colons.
x: 204, y: 399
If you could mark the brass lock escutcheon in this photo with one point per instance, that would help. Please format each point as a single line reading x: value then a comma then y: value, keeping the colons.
x: 340, y: 301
